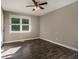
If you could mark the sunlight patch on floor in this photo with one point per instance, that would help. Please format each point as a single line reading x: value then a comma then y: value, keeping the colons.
x: 9, y: 52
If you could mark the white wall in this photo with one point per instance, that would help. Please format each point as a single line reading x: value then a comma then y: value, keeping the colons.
x: 11, y: 37
x: 61, y: 26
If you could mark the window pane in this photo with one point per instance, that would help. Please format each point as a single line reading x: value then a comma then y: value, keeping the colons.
x: 25, y: 21
x: 15, y: 28
x: 15, y: 20
x: 25, y: 27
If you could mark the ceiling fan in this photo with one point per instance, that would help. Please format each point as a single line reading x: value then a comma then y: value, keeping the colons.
x: 37, y: 5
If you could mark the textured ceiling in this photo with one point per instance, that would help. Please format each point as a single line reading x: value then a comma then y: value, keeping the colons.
x: 19, y: 6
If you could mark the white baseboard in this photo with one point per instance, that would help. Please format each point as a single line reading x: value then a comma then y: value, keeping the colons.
x: 44, y: 39
x: 61, y: 44
x: 21, y: 40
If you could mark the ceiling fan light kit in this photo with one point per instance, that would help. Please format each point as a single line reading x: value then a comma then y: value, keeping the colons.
x: 37, y: 5
x: 36, y: 8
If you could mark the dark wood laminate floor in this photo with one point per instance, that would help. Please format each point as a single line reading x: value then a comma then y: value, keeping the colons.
x: 37, y: 49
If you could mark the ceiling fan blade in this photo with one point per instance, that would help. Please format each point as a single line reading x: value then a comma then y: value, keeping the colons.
x: 43, y: 3
x: 41, y: 8
x: 30, y: 6
x: 34, y: 2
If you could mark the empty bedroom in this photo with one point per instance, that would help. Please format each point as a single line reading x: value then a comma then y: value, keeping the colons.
x: 39, y: 29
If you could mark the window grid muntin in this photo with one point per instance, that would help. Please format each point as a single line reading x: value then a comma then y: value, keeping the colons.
x: 21, y: 24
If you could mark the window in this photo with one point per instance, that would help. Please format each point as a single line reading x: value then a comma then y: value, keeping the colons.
x: 20, y: 24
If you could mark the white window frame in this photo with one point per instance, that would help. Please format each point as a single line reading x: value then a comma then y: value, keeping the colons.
x: 17, y: 16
